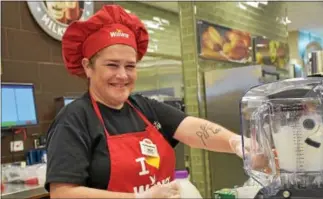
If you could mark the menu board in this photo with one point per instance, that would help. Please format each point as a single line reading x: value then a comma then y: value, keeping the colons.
x: 271, y: 52
x: 222, y: 43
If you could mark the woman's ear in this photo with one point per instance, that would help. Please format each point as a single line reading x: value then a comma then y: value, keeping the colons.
x: 87, y: 67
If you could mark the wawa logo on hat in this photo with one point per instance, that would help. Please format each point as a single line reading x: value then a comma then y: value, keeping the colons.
x: 119, y: 33
x: 54, y: 16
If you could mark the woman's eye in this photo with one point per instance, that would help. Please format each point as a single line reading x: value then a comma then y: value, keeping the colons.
x: 131, y: 66
x: 112, y: 65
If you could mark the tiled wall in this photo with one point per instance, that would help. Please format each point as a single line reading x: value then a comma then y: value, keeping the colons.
x: 29, y: 55
x: 256, y: 21
x: 160, y: 77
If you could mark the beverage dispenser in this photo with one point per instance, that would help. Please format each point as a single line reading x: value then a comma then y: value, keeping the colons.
x: 283, y: 122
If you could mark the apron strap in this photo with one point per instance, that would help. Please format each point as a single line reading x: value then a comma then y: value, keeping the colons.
x: 144, y: 118
x: 98, y: 113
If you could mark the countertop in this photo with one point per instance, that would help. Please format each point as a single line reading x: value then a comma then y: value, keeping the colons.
x: 24, y: 191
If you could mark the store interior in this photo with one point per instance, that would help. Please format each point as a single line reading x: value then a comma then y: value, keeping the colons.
x: 202, y: 58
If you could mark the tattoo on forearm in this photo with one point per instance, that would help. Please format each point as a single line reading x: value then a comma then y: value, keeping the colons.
x: 206, y: 130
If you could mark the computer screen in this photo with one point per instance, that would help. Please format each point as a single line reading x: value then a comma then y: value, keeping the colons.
x: 17, y: 105
x: 62, y: 101
x: 68, y: 100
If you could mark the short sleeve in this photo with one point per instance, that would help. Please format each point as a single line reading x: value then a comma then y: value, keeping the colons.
x: 68, y: 151
x: 168, y: 116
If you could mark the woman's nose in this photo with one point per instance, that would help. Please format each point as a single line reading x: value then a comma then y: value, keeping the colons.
x: 122, y: 73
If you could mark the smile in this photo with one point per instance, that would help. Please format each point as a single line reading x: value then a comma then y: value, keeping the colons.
x: 118, y: 85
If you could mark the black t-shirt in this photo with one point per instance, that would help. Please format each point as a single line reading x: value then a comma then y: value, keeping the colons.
x: 76, y: 144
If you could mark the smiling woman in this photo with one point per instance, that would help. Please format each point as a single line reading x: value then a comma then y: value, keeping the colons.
x: 112, y: 74
x: 110, y: 143
x: 105, y: 49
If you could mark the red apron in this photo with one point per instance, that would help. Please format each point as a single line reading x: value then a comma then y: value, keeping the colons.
x: 131, y: 170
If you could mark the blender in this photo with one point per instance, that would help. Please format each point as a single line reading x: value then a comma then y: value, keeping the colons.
x: 283, y: 122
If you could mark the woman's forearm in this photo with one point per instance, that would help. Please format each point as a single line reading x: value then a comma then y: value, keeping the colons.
x: 68, y: 191
x: 203, y: 134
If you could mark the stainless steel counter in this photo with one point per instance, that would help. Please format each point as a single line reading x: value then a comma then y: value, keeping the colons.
x: 24, y: 191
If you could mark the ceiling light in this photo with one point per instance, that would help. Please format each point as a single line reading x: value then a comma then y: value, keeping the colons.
x: 260, y: 45
x: 165, y: 21
x: 283, y: 20
x: 156, y: 19
x: 252, y: 3
x: 240, y: 5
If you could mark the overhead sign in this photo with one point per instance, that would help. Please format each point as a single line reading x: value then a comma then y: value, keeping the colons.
x: 54, y: 16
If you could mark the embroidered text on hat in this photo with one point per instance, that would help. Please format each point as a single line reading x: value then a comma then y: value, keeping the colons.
x: 119, y: 33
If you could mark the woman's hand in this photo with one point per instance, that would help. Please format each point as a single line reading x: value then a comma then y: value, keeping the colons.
x: 170, y: 190
x: 236, y: 145
x: 258, y: 160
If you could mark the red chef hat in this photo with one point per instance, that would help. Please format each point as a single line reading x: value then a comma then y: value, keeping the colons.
x: 110, y: 25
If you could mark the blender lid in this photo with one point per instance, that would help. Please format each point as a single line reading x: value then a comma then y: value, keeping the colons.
x: 289, y: 88
x: 294, y: 93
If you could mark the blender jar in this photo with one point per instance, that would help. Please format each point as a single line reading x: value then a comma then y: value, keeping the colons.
x: 284, y: 123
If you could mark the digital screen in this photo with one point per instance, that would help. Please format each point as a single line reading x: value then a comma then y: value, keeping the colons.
x: 68, y: 100
x: 17, y: 105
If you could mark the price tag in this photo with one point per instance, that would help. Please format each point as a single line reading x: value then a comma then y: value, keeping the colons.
x: 148, y: 148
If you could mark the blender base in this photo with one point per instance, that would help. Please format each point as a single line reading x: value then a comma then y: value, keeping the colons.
x: 294, y: 194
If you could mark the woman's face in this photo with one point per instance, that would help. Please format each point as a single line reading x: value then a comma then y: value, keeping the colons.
x: 113, y: 74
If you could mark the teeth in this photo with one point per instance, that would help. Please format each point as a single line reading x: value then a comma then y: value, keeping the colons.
x: 119, y: 85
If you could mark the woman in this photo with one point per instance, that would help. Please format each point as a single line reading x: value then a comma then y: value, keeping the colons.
x: 104, y: 144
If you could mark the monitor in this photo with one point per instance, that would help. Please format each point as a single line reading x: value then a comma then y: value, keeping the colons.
x: 68, y: 100
x: 18, y: 107
x: 60, y: 102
